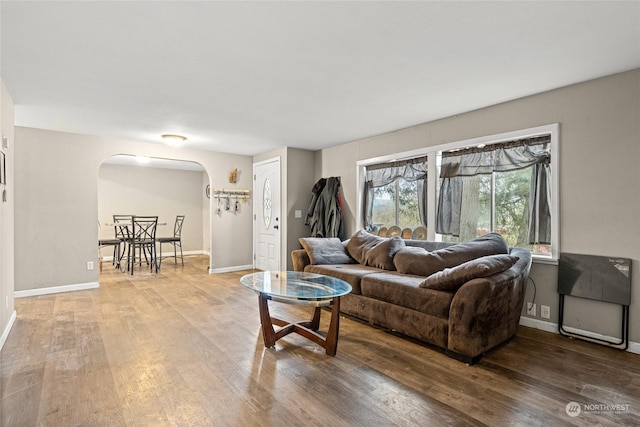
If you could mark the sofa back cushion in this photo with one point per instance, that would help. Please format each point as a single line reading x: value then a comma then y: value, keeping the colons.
x: 381, y: 255
x: 450, y: 279
x: 418, y: 261
x: 428, y: 245
x: 325, y: 250
x: 374, y: 251
x: 360, y: 243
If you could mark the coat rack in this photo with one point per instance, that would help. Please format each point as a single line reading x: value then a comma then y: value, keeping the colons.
x: 231, y: 192
x: 227, y: 194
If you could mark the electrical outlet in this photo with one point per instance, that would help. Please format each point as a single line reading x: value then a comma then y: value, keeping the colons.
x: 531, y: 309
x: 545, y: 312
x: 89, y: 265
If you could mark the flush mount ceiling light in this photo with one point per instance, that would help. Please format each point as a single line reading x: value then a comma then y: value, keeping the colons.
x: 173, y: 139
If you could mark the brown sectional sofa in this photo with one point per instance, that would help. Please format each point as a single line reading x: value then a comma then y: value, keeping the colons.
x: 464, y: 298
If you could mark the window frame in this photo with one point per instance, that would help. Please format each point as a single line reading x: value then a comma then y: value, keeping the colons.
x: 434, y: 154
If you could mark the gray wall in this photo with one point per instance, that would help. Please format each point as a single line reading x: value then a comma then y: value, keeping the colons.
x: 7, y: 217
x: 153, y: 191
x: 300, y: 180
x: 56, y: 206
x: 599, y: 177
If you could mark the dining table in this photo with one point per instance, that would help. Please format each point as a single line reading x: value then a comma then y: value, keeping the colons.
x: 123, y: 266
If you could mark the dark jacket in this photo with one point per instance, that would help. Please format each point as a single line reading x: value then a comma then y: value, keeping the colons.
x: 324, y: 215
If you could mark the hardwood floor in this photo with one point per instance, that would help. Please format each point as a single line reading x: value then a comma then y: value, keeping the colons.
x: 183, y: 348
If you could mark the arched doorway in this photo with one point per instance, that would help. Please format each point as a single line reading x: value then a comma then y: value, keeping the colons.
x: 134, y: 185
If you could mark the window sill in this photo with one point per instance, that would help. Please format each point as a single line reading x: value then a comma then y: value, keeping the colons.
x: 537, y: 259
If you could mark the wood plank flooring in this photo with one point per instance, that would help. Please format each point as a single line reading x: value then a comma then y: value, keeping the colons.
x: 183, y: 348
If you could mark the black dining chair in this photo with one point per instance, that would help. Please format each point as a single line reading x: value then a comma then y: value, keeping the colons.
x: 117, y: 246
x: 123, y: 225
x: 143, y: 241
x: 175, y: 240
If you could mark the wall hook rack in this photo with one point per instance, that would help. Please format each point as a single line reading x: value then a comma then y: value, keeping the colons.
x: 232, y: 193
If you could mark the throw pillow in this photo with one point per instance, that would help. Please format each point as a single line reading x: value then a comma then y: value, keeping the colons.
x: 360, y: 243
x: 450, y: 279
x: 322, y: 250
x: 420, y: 262
x: 381, y: 255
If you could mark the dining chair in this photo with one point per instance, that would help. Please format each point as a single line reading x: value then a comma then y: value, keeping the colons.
x: 122, y: 225
x: 143, y: 242
x: 116, y: 243
x: 175, y: 240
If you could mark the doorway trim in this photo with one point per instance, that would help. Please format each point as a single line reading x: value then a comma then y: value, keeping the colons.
x: 257, y: 205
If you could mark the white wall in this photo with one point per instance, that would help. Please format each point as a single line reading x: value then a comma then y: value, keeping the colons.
x: 56, y: 207
x: 599, y: 177
x: 153, y: 191
x: 7, y: 312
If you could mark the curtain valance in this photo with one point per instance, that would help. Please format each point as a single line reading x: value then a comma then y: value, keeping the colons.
x: 385, y: 173
x: 501, y: 157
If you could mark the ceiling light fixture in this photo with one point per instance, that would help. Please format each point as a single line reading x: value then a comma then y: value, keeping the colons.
x: 173, y: 139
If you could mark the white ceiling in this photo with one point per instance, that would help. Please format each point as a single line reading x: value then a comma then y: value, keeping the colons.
x: 248, y: 77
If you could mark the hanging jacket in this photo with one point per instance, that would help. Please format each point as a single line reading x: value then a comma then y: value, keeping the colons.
x: 312, y: 218
x: 324, y: 216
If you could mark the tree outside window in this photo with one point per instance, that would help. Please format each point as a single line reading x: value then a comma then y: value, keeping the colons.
x: 396, y: 204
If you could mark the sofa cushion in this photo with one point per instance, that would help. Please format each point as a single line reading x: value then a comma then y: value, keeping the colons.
x: 381, y: 255
x: 360, y: 243
x: 405, y: 291
x: 322, y: 250
x: 414, y: 260
x: 450, y: 279
x: 350, y: 273
x: 428, y: 245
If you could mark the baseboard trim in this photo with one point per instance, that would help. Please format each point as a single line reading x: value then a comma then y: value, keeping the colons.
x: 634, y: 347
x: 5, y: 333
x: 230, y: 269
x: 56, y: 289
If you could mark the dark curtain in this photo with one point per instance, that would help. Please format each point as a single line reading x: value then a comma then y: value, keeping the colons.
x: 385, y: 173
x: 501, y: 157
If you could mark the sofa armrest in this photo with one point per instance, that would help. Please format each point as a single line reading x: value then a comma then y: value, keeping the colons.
x: 485, y: 312
x: 300, y: 259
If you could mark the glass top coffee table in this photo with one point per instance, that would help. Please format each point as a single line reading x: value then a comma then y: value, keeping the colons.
x: 296, y: 287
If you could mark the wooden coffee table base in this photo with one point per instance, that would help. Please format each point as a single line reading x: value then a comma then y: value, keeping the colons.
x: 308, y: 329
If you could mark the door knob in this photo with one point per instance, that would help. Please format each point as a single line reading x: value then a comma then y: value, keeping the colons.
x: 276, y: 227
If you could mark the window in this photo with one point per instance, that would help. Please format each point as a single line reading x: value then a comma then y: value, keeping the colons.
x: 501, y: 187
x: 521, y: 202
x: 395, y: 194
x: 396, y: 204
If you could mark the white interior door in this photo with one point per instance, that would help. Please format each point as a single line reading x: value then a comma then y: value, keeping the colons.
x: 266, y: 218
